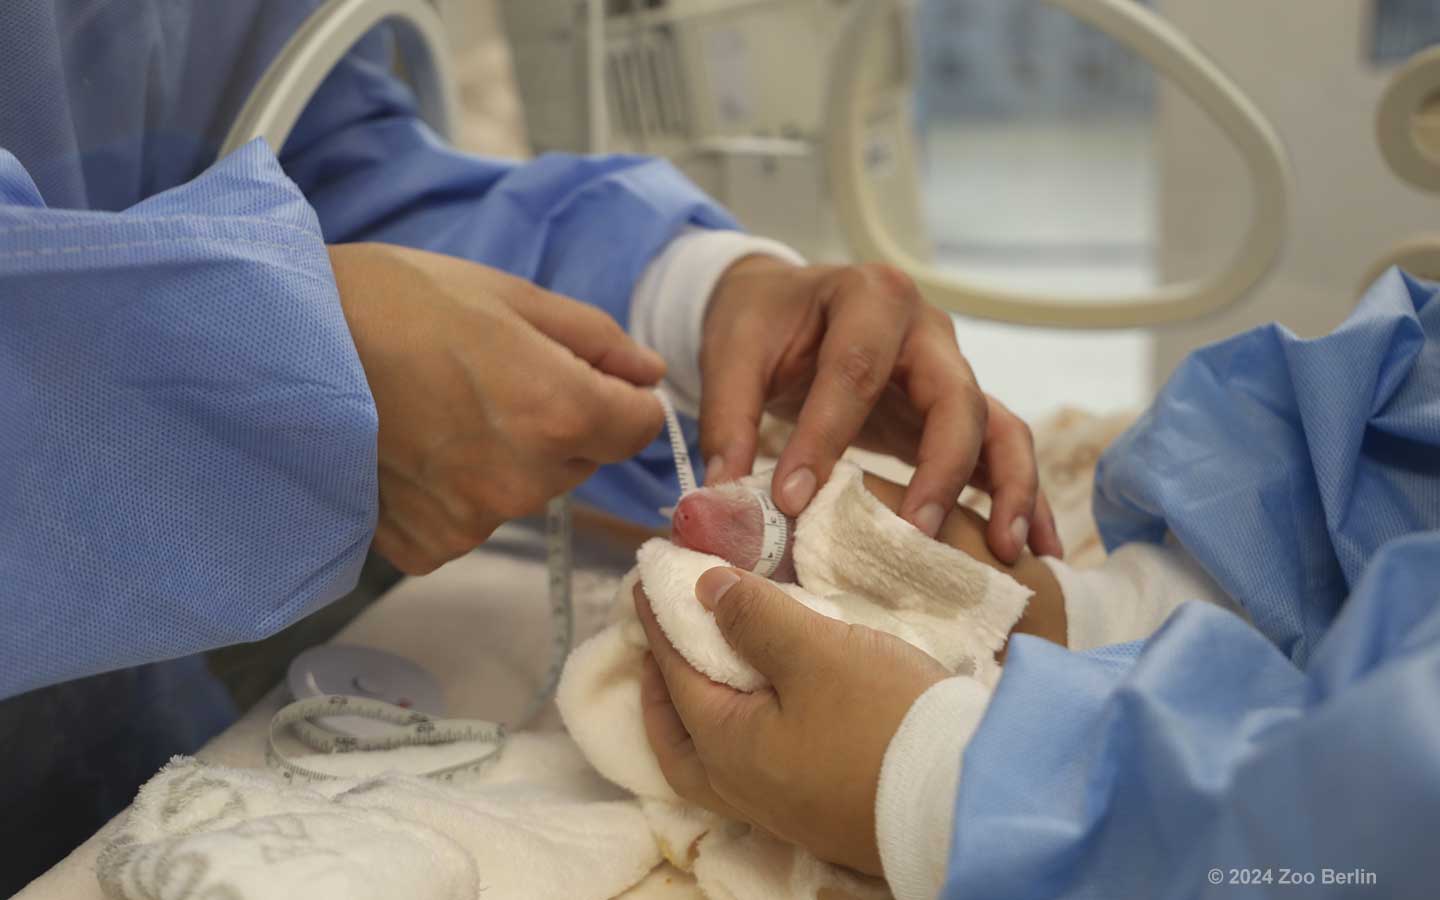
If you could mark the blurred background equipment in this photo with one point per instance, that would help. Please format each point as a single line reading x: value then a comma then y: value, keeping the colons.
x: 1011, y: 144
x: 1319, y: 69
x: 1267, y: 178
x: 731, y: 91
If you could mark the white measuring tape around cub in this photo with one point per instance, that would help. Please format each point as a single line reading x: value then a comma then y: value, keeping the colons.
x: 774, y: 536
x: 775, y: 529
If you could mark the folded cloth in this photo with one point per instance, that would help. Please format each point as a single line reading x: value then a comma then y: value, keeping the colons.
x: 856, y: 561
x: 537, y: 823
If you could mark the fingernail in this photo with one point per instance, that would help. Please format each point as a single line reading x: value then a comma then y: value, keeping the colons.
x: 797, y: 490
x: 713, y: 585
x: 655, y: 359
x: 1020, y: 531
x: 715, y: 469
x: 928, y: 519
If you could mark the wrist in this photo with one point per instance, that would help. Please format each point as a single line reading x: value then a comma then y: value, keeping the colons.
x: 676, y: 292
x: 740, y: 278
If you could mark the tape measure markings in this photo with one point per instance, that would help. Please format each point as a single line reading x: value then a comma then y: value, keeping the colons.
x: 411, y: 729
x: 684, y: 470
x: 418, y: 729
x: 774, y: 536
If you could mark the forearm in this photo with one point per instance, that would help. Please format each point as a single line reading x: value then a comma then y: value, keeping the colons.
x: 188, y: 456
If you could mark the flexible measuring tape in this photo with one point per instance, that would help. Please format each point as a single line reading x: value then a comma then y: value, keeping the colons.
x: 418, y: 729
x: 412, y: 729
x: 775, y: 533
x: 684, y: 470
x: 773, y: 538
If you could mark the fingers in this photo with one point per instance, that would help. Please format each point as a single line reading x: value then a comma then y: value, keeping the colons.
x: 673, y: 746
x: 773, y: 632
x: 942, y: 389
x: 609, y: 420
x: 731, y: 403
x: 589, y: 333
x: 1009, y: 461
x: 1044, y: 533
x: 870, y: 313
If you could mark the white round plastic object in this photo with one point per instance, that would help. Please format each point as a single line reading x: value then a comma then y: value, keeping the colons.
x: 346, y: 670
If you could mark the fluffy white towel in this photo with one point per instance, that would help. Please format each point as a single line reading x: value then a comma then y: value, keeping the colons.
x: 540, y: 822
x: 536, y: 824
x: 858, y: 562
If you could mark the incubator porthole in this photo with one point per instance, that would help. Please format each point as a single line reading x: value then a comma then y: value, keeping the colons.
x: 1408, y: 124
x: 1425, y: 127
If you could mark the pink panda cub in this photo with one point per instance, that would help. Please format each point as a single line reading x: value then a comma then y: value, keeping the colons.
x: 729, y: 521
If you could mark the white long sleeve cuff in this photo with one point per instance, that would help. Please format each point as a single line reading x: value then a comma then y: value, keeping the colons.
x: 915, y: 803
x: 1127, y: 598
x: 667, y: 311
x: 1132, y: 594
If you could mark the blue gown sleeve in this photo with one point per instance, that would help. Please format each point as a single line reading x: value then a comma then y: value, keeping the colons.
x: 187, y: 455
x: 1218, y: 758
x: 585, y: 227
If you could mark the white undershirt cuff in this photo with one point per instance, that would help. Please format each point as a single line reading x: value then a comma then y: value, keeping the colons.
x: 667, y: 311
x: 915, y: 803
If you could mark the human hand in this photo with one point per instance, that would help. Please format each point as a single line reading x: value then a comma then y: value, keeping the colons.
x: 853, y: 355
x: 493, y: 395
x: 802, y: 758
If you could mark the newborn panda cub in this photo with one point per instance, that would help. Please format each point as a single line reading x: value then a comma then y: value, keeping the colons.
x: 728, y: 521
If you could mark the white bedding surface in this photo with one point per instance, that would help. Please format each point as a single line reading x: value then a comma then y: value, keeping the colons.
x: 480, y: 625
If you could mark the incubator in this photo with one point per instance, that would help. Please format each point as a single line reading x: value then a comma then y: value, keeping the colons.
x: 802, y: 117
x: 818, y: 151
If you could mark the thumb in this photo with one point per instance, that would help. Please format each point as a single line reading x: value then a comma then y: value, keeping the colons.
x: 771, y: 630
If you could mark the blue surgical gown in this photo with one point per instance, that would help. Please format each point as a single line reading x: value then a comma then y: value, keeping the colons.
x: 188, y: 451
x: 1220, y: 759
x: 187, y: 441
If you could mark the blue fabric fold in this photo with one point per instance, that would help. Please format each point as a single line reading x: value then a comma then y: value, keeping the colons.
x: 189, y: 444
x: 1304, y: 475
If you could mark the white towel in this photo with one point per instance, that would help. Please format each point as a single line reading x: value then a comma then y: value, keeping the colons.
x: 540, y: 822
x: 858, y: 562
x: 536, y: 824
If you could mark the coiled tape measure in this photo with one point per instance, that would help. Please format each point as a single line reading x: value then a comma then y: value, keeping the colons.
x: 357, y: 699
x: 351, y: 699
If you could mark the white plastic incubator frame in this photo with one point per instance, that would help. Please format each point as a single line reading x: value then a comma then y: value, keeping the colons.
x: 1171, y: 54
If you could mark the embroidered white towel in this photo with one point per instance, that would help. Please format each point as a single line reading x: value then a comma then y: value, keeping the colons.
x: 538, y: 823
